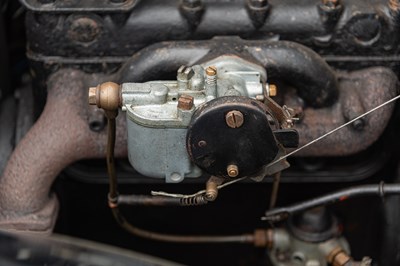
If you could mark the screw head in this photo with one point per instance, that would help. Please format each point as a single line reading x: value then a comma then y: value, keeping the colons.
x: 211, y: 71
x: 234, y: 119
x: 232, y: 170
x: 185, y: 73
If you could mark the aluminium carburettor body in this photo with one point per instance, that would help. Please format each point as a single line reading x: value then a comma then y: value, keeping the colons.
x: 211, y: 119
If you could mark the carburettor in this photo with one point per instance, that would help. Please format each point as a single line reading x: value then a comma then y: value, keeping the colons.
x: 217, y: 117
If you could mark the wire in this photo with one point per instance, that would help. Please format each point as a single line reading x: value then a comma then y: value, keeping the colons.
x: 381, y: 190
x: 201, y: 192
x: 282, y: 213
x: 333, y: 131
x: 275, y: 190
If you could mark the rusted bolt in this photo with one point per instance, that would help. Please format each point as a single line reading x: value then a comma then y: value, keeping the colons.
x: 331, y: 3
x: 191, y: 3
x: 105, y: 96
x: 84, y: 30
x: 258, y: 3
x: 232, y: 170
x: 273, y: 90
x: 234, y: 119
x: 185, y: 102
x: 211, y: 71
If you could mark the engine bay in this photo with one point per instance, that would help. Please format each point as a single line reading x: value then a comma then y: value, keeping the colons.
x: 240, y: 132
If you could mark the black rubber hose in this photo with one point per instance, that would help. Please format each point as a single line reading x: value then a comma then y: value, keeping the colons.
x: 290, y: 62
x: 381, y: 189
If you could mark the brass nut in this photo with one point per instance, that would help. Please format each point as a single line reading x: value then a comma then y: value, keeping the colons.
x: 105, y: 96
x: 263, y: 238
x: 92, y: 96
x: 273, y: 90
x: 234, y: 119
x: 341, y: 259
x: 211, y: 71
x: 338, y: 257
x: 233, y: 170
x: 185, y: 102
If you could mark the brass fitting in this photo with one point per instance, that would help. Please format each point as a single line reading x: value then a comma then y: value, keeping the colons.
x: 211, y: 71
x: 338, y: 257
x: 211, y: 190
x: 106, y: 96
x: 273, y: 90
x: 264, y: 238
x: 232, y: 170
x: 212, y: 187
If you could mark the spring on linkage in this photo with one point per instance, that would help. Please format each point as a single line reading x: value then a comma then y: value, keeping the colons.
x: 194, y: 201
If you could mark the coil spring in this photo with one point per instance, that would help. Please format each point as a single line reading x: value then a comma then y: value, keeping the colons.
x: 194, y: 201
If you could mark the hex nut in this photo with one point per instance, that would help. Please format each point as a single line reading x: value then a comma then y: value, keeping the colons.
x: 92, y: 96
x: 185, y: 102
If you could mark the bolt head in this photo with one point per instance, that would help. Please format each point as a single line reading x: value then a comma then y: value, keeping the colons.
x: 191, y: 3
x: 331, y: 3
x: 258, y: 3
x: 232, y: 170
x: 185, y: 102
x: 84, y: 30
x: 234, y: 119
x: 185, y: 73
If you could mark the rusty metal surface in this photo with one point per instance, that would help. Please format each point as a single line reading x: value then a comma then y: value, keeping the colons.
x: 60, y: 136
x: 359, y: 91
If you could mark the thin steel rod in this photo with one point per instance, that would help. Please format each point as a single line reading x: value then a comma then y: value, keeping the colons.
x: 334, y: 130
x: 119, y: 217
x: 381, y: 190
